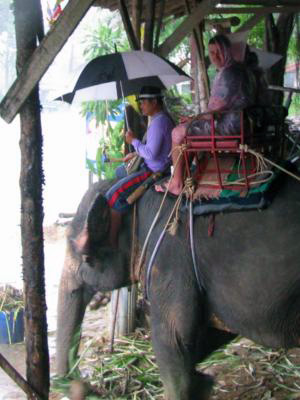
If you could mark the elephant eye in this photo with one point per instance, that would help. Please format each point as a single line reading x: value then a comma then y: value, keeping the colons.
x: 86, y: 259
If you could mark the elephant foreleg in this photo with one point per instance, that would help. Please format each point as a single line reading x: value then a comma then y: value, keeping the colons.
x: 175, y: 325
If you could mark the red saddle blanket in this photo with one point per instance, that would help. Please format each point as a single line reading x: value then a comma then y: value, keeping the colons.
x: 207, y: 180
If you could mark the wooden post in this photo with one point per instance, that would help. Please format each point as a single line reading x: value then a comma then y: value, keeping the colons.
x: 149, y: 25
x: 128, y: 26
x: 125, y: 301
x: 27, y: 26
x: 278, y: 33
x: 159, y: 24
x: 201, y: 73
x: 136, y: 12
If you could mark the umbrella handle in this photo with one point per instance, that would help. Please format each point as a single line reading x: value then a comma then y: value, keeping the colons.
x: 126, y: 117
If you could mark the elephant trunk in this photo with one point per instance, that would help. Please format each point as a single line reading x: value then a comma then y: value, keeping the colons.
x: 72, y: 302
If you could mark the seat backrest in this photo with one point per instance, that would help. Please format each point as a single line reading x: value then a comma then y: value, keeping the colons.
x: 262, y: 117
x: 215, y: 140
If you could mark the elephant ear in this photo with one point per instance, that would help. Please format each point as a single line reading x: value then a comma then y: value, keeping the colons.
x: 98, y: 220
x: 95, y: 227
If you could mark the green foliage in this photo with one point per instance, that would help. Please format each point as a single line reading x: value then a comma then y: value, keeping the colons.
x: 11, y: 299
x: 256, y: 36
x: 73, y: 358
x: 112, y: 146
x: 106, y: 38
x: 294, y: 109
x: 187, y: 98
x: 242, y: 367
x: 177, y: 104
x: 182, y: 50
x: 11, y: 304
x: 101, y: 109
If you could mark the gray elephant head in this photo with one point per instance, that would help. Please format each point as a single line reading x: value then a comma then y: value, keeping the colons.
x: 90, y: 265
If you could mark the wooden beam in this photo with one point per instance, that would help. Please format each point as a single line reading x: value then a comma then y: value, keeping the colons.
x: 186, y: 27
x: 251, y: 22
x: 18, y: 378
x: 284, y: 88
x: 128, y: 26
x: 42, y: 57
x: 224, y: 22
x: 255, y: 10
x: 262, y: 2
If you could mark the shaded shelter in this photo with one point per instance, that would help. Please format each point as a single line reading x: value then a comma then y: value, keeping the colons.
x: 33, y: 60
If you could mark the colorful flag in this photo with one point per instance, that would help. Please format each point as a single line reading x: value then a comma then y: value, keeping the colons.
x: 55, y: 13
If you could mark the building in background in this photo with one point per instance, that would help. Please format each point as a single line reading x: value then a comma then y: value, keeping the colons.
x: 291, y: 76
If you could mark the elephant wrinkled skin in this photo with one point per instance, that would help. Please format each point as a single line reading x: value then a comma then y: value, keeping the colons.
x: 250, y: 269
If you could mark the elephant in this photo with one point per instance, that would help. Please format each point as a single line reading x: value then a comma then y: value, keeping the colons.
x: 249, y: 268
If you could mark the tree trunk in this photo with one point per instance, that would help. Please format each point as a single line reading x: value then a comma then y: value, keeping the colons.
x: 28, y: 24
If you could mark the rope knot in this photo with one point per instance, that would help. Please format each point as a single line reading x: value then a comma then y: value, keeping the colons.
x: 189, y: 187
x: 183, y: 147
x: 189, y: 183
x: 244, y: 147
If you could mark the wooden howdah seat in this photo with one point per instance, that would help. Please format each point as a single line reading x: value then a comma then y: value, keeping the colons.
x: 262, y: 130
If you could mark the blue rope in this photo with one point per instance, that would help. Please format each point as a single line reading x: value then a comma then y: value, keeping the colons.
x: 196, y: 269
x: 151, y: 261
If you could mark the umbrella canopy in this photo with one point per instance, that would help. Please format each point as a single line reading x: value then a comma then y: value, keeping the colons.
x: 266, y: 59
x: 114, y: 76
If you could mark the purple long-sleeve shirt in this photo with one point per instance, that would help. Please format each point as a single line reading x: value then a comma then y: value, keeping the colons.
x: 156, y: 150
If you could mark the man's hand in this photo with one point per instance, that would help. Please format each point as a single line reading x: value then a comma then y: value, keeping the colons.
x: 184, y: 119
x: 129, y: 136
x: 129, y: 156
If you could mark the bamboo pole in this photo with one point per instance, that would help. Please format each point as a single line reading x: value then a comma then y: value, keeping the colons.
x: 27, y: 26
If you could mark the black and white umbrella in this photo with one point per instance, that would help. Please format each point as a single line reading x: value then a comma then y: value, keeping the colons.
x: 118, y: 75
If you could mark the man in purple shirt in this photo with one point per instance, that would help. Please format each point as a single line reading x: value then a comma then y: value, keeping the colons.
x: 155, y: 153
